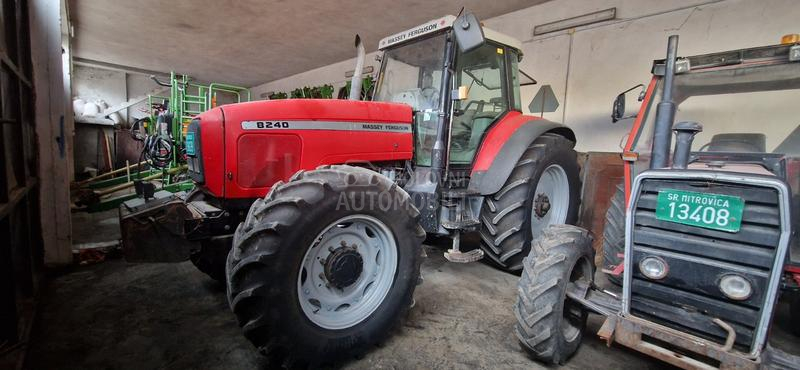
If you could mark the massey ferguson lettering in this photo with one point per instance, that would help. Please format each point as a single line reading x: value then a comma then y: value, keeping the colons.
x: 422, y: 30
x: 326, y: 125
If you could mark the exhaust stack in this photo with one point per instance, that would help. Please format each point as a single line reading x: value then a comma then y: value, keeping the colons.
x: 665, y: 111
x: 684, y: 135
x: 355, y: 83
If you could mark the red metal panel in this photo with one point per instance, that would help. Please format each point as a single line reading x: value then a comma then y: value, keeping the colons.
x: 637, y: 126
x: 212, y: 150
x: 266, y: 159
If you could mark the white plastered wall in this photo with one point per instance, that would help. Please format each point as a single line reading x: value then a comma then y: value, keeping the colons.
x: 588, y: 66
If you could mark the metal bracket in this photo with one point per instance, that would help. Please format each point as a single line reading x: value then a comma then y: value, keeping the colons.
x: 455, y: 255
x: 606, y: 331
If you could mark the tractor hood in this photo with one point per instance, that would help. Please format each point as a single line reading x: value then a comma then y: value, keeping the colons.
x: 241, y: 150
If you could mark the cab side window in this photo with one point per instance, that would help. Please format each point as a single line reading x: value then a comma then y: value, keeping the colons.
x: 483, y: 73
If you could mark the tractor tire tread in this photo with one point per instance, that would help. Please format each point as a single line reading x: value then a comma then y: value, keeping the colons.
x: 541, y: 292
x: 614, y: 233
x: 258, y: 252
x: 505, y: 214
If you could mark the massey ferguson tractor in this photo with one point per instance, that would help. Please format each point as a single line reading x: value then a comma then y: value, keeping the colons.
x: 704, y: 243
x: 326, y: 202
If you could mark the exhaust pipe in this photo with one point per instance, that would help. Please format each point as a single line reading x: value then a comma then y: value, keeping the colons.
x: 665, y: 111
x: 355, y: 83
x: 684, y: 135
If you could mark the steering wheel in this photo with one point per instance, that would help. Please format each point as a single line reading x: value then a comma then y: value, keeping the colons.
x: 435, y: 91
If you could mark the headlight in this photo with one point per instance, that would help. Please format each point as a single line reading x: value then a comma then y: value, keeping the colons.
x: 735, y: 287
x: 653, y: 267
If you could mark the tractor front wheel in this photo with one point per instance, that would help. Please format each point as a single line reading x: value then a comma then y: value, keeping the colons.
x: 543, y: 189
x: 550, y: 325
x: 325, y: 265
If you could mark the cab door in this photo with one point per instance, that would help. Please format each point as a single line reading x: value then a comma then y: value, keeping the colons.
x: 483, y: 72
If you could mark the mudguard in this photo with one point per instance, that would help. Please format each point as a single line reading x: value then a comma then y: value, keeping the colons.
x: 504, y: 144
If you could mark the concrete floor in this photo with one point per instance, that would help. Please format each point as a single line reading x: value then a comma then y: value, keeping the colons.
x: 116, y: 315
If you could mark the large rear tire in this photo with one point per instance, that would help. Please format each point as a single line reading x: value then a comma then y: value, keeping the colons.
x: 549, y: 325
x: 614, y: 234
x: 543, y: 189
x: 325, y: 265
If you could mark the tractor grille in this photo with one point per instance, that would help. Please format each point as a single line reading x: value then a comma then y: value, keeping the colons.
x: 194, y: 159
x: 688, y: 298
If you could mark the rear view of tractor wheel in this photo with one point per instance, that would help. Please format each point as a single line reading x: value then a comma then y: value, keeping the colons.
x: 542, y: 190
x: 550, y: 325
x: 325, y: 265
x: 614, y: 234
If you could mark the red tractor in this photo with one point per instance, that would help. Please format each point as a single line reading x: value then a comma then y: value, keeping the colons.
x: 702, y: 238
x: 333, y: 198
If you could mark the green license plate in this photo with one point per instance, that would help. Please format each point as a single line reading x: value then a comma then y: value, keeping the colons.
x: 711, y: 211
x: 190, y: 143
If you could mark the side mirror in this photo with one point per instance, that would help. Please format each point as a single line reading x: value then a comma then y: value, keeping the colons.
x: 618, y: 110
x: 468, y: 32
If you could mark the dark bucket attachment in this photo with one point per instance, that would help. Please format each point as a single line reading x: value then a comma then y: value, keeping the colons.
x: 153, y: 230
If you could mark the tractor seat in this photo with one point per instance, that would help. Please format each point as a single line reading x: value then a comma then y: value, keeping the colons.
x: 480, y: 122
x: 462, y: 122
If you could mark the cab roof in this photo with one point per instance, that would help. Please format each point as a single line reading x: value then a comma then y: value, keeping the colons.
x: 443, y: 24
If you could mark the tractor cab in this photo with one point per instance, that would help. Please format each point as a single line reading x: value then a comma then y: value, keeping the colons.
x: 483, y: 86
x: 472, y: 142
x: 710, y: 89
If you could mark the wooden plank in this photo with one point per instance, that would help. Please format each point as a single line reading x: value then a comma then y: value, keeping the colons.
x: 14, y: 198
x: 13, y: 68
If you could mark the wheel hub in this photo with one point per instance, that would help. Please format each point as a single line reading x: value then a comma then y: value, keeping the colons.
x: 541, y: 205
x: 344, y: 266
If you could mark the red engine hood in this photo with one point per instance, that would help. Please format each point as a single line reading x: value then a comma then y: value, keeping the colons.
x: 247, y: 147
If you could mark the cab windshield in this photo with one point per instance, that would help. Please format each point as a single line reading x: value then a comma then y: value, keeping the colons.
x: 734, y: 119
x: 412, y: 74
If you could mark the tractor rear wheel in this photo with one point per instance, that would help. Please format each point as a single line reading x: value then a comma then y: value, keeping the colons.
x: 325, y: 265
x: 614, y: 234
x: 542, y: 190
x: 550, y: 325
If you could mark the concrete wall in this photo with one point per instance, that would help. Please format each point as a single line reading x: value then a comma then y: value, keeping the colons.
x: 588, y: 66
x: 113, y: 87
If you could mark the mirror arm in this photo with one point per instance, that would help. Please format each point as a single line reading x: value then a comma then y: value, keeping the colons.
x: 632, y: 88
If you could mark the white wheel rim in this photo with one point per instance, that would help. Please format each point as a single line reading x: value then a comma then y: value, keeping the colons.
x: 339, y: 308
x: 550, y: 200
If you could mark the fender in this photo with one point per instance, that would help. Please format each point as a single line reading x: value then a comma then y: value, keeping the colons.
x: 503, y: 146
